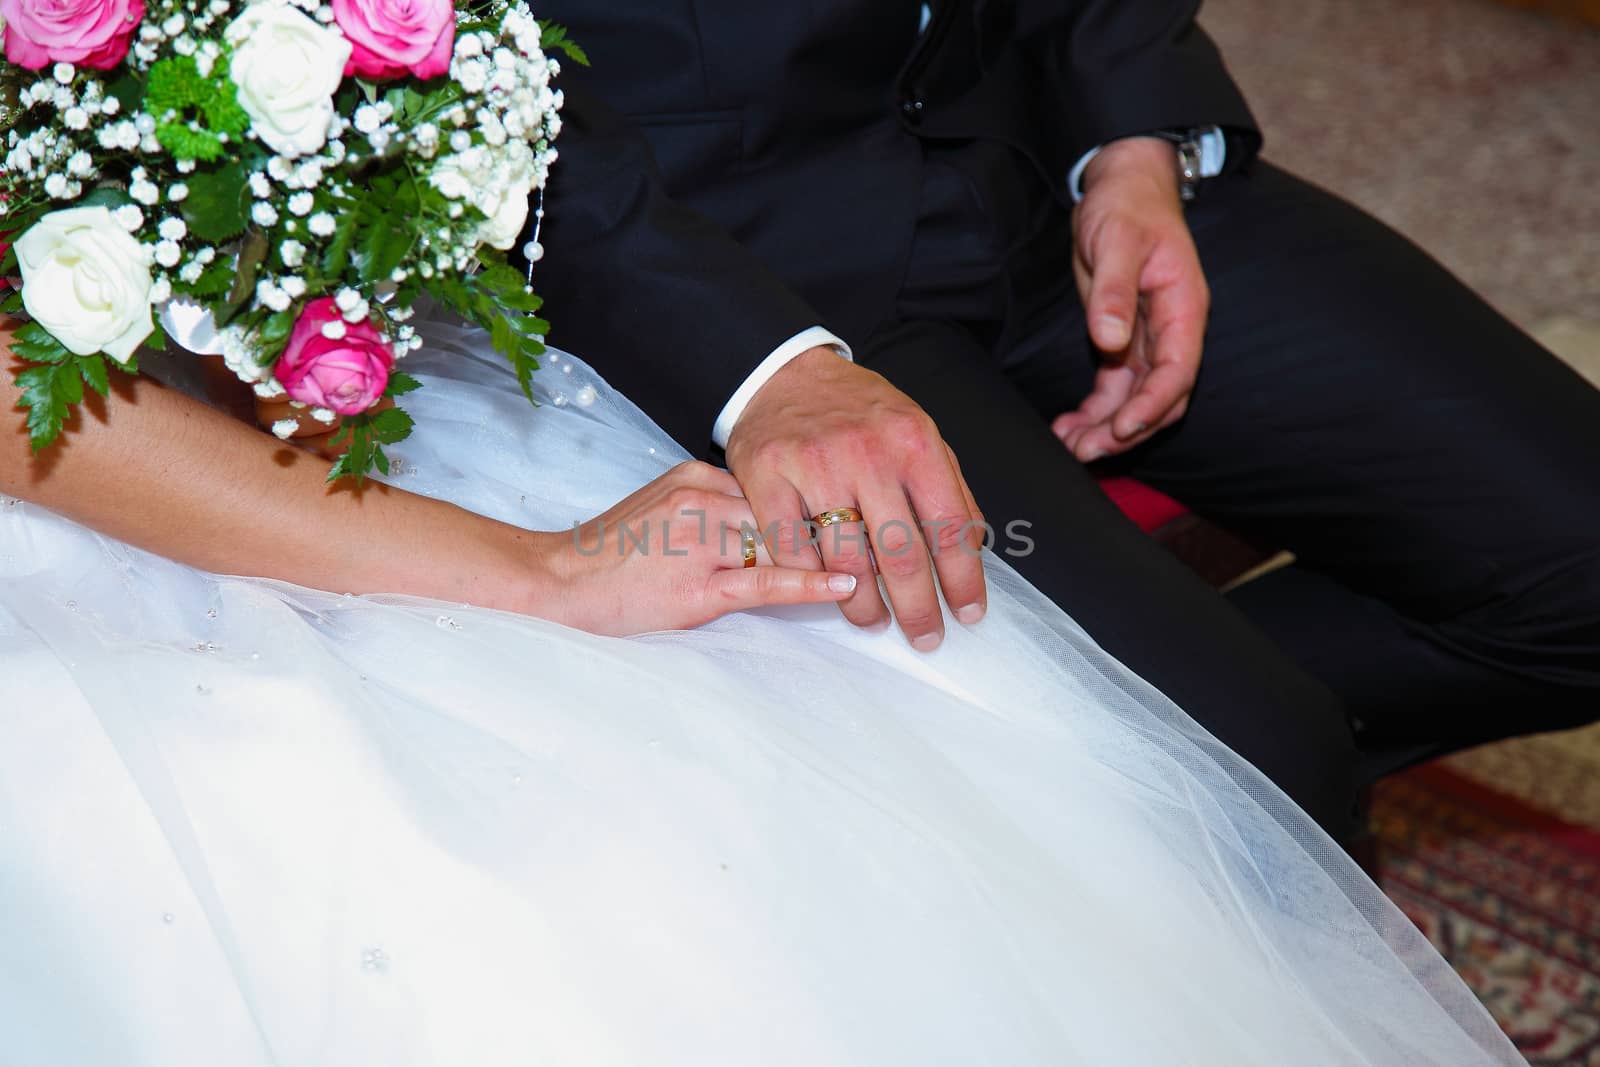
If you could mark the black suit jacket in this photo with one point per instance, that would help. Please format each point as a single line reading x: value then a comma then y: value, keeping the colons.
x: 734, y: 171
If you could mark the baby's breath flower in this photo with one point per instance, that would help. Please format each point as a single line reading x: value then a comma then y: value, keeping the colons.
x: 272, y: 296
x: 129, y: 217
x: 321, y: 224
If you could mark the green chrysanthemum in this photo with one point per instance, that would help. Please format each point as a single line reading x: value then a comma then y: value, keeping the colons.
x: 194, y: 112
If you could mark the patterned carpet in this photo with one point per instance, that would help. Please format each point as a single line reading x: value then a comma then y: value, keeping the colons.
x: 1507, y: 891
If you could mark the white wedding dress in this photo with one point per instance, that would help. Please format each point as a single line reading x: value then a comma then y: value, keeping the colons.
x: 244, y: 823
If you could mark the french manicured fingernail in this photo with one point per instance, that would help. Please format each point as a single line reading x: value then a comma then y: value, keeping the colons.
x: 1096, y: 456
x: 881, y: 626
x: 842, y: 583
x: 926, y: 642
x: 970, y: 614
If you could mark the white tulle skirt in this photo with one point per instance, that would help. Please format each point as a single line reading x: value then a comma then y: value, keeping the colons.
x: 247, y: 823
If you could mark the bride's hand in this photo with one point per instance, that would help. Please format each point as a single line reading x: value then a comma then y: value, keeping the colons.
x: 671, y: 556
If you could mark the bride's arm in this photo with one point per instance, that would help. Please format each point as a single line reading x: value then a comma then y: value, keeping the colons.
x: 160, y: 470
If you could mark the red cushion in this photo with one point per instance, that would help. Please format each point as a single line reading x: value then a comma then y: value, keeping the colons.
x: 1147, y: 507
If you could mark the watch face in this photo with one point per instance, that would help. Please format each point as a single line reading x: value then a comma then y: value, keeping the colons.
x: 1188, y: 169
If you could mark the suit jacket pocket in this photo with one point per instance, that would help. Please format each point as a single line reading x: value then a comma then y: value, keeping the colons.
x: 694, y: 148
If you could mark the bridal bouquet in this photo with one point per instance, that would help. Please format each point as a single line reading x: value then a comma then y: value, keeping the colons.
x: 299, y: 170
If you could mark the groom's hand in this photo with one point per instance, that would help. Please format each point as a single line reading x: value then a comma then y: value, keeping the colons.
x: 826, y: 434
x: 1145, y: 295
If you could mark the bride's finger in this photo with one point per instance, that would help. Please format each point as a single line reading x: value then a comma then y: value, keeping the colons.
x: 734, y: 533
x: 759, y: 587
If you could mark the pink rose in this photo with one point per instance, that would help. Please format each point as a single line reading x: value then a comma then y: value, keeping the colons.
x: 88, y: 33
x: 347, y: 373
x: 393, y: 38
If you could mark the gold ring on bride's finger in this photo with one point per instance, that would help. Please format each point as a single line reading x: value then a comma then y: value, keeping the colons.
x: 836, y: 515
x: 749, y: 539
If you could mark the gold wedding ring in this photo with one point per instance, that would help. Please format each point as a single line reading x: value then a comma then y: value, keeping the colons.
x: 836, y: 515
x: 749, y: 539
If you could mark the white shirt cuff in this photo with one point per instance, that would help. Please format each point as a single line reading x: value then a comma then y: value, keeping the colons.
x: 804, y: 341
x: 1213, y: 154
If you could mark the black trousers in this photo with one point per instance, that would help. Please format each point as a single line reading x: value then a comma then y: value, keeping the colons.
x: 1433, y: 469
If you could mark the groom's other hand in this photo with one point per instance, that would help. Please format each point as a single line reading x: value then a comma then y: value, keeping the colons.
x: 824, y: 433
x: 1145, y: 295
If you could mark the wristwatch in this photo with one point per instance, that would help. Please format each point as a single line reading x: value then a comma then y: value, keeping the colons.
x: 1202, y: 151
x: 1190, y: 159
x: 1188, y: 168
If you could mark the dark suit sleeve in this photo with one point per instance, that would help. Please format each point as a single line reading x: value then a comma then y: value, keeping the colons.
x: 669, y: 307
x: 1125, y: 67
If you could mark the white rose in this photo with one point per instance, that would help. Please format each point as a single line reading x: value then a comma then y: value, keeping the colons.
x: 86, y: 280
x: 503, y: 198
x: 508, y: 217
x: 287, y: 68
